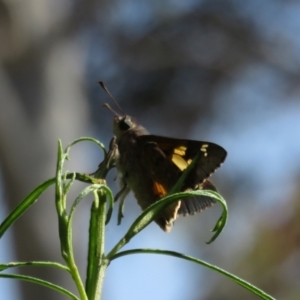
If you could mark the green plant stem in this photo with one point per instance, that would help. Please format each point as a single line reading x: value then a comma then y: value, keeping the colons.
x: 68, y: 255
x: 97, y: 263
x: 100, y: 279
x: 65, y: 231
x: 76, y: 277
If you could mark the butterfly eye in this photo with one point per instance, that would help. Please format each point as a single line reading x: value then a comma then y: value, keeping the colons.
x: 125, y: 124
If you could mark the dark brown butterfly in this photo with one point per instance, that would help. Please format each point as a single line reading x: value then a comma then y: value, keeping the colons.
x: 150, y: 166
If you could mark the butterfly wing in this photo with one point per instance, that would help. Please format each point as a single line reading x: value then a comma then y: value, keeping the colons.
x: 180, y: 154
x: 170, y: 157
x: 193, y: 205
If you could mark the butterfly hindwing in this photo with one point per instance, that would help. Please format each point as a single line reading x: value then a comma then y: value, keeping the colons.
x: 192, y: 205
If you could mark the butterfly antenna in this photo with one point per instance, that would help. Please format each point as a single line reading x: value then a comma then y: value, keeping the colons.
x: 109, y: 108
x: 110, y: 95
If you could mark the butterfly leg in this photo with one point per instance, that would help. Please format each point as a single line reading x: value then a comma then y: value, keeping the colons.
x: 122, y: 194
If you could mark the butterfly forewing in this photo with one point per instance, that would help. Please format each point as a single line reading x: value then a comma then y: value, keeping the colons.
x: 169, y: 158
x: 180, y: 153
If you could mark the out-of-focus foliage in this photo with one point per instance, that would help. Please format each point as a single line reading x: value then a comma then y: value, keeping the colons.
x: 224, y: 71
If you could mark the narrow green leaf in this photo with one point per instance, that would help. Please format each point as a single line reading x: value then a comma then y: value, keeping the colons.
x: 89, y: 139
x: 59, y: 195
x: 66, y: 236
x: 92, y: 259
x: 33, y: 263
x: 236, y: 279
x: 24, y: 205
x: 32, y: 198
x: 111, y: 203
x: 85, y: 192
x: 69, y: 184
x: 41, y: 282
x: 152, y: 211
x: 60, y: 200
x: 178, y: 185
x: 69, y: 257
x: 97, y: 264
x: 220, y: 224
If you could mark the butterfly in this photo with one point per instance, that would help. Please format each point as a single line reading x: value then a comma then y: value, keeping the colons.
x: 150, y: 166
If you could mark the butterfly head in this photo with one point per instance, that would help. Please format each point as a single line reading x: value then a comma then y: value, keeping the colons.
x: 124, y: 124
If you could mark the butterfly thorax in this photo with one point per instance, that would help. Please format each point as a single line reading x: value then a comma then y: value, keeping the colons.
x: 130, y: 162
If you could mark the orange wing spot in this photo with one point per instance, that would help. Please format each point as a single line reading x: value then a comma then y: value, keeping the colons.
x: 159, y: 189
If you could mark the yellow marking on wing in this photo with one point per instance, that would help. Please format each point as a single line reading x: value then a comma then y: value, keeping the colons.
x: 180, y: 150
x: 159, y: 189
x: 179, y: 162
x: 204, y: 149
